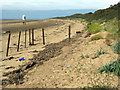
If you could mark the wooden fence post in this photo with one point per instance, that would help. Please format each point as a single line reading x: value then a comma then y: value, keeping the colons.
x: 43, y: 36
x: 29, y: 37
x: 69, y: 32
x: 8, y: 43
x: 32, y: 36
x: 25, y: 37
x: 19, y: 41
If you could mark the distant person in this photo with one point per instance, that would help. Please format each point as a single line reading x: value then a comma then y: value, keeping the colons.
x: 24, y: 19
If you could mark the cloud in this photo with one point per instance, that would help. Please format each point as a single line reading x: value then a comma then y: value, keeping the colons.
x: 57, y: 1
x: 60, y: 4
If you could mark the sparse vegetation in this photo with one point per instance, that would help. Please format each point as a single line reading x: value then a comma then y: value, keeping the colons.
x: 113, y: 67
x: 100, y: 52
x: 112, y: 36
x: 94, y: 28
x: 86, y: 56
x: 117, y: 48
x: 83, y: 57
x: 96, y: 37
x: 107, y: 20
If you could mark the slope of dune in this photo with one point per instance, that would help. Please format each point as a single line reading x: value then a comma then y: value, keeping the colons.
x: 60, y: 64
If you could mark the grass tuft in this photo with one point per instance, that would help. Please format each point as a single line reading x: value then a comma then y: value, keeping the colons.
x: 117, y: 48
x: 96, y: 37
x: 94, y: 28
x: 113, y: 67
x: 112, y: 36
x: 100, y: 52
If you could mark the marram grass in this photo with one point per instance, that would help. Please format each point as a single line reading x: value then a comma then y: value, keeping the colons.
x: 113, y: 67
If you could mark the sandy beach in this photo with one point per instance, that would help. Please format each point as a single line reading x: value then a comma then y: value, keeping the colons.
x: 45, y: 66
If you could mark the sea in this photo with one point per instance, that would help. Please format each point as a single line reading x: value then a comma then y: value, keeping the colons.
x: 42, y: 14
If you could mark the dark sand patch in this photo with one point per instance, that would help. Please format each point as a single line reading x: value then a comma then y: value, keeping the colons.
x: 50, y: 51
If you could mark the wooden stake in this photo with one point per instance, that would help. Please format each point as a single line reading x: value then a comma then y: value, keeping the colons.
x: 29, y: 37
x: 32, y: 36
x: 25, y: 37
x: 69, y: 32
x: 19, y: 41
x: 43, y: 36
x: 8, y: 43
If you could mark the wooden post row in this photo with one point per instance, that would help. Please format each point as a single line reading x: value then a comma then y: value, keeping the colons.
x: 19, y: 41
x: 32, y: 36
x: 29, y: 37
x: 43, y: 36
x: 8, y: 43
x: 69, y: 32
x: 25, y: 37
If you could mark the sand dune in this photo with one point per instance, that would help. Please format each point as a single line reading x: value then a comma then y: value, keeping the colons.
x: 45, y: 66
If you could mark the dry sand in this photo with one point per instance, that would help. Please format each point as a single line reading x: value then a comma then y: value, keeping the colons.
x: 53, y: 73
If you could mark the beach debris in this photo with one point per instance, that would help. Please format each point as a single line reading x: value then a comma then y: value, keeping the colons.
x: 78, y: 32
x: 21, y: 59
x: 9, y: 67
x: 14, y: 44
x: 87, y: 35
x: 68, y: 66
x: 8, y: 58
x: 35, y: 51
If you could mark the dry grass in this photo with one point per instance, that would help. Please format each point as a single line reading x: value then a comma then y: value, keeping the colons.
x: 96, y: 37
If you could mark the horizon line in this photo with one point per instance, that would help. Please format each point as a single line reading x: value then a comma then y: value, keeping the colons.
x: 48, y: 9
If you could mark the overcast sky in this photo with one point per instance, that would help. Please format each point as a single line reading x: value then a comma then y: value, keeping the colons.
x: 55, y: 4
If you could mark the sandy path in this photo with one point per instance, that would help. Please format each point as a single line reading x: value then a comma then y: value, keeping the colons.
x: 82, y: 72
x: 54, y: 73
x: 53, y: 34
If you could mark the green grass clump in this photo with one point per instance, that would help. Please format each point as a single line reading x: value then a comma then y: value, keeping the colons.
x: 94, y: 28
x: 116, y: 48
x: 100, y: 52
x: 97, y: 37
x: 113, y: 67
